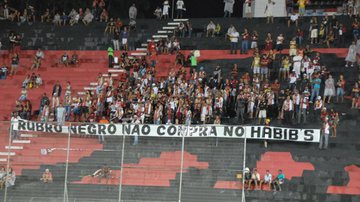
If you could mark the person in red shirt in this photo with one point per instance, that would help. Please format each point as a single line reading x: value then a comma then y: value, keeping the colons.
x: 151, y: 47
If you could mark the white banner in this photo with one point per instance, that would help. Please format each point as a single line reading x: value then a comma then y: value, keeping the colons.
x: 148, y: 130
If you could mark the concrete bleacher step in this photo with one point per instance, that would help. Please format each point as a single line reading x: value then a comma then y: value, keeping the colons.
x: 21, y: 141
x: 174, y: 23
x: 181, y: 20
x: 164, y: 32
x: 112, y: 75
x: 155, y: 40
x: 3, y: 160
x: 144, y: 45
x: 93, y: 84
x: 7, y: 153
x: 169, y: 28
x: 160, y: 36
x: 89, y: 88
x: 81, y: 93
x: 141, y: 49
x: 138, y: 54
x: 14, y: 147
x: 117, y: 70
x: 28, y: 135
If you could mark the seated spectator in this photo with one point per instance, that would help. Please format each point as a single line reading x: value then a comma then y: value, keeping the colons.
x: 36, y: 63
x: 2, y: 177
x: 104, y: 16
x: 3, y: 72
x: 267, y: 180
x: 74, y: 17
x: 110, y: 26
x: 64, y: 19
x: 38, y: 81
x: 210, y: 29
x: 255, y: 178
x: 10, y: 178
x: 158, y: 13
x: 64, y: 59
x: 103, y: 172
x: 46, y: 16
x: 294, y: 17
x: 247, y: 176
x: 74, y: 59
x: 23, y: 95
x: 14, y: 15
x: 279, y: 180
x: 217, y: 29
x: 57, y: 19
x: 88, y: 17
x: 47, y: 176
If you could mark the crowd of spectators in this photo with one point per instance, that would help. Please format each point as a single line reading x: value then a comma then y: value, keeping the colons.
x: 294, y: 87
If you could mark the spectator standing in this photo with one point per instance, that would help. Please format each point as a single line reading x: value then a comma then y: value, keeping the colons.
x: 245, y: 41
x: 248, y: 11
x: 56, y: 94
x: 101, y: 137
x: 351, y: 56
x: 329, y: 89
x: 228, y: 8
x: 340, y: 91
x: 116, y: 39
x: 302, y: 4
x: 14, y: 64
x: 180, y: 8
x: 110, y: 51
x: 132, y: 12
x: 269, y: 11
x: 165, y: 10
x: 324, y: 136
x: 60, y: 115
x: 315, y: 88
x: 234, y: 40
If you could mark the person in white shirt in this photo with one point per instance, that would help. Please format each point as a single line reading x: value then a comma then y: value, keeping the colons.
x: 304, y: 105
x: 180, y: 8
x: 288, y: 108
x: 267, y: 180
x: 165, y: 10
x: 132, y: 12
x: 234, y: 40
x: 269, y: 11
x: 210, y: 29
x: 158, y: 13
x: 228, y: 8
x: 325, y: 132
x: 279, y: 42
x: 294, y: 17
x: 255, y: 177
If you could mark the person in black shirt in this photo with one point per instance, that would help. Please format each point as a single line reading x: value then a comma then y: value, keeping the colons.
x: 262, y: 110
x: 116, y: 39
x: 240, y: 108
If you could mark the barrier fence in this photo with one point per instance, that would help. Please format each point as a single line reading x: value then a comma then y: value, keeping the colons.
x: 125, y: 162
